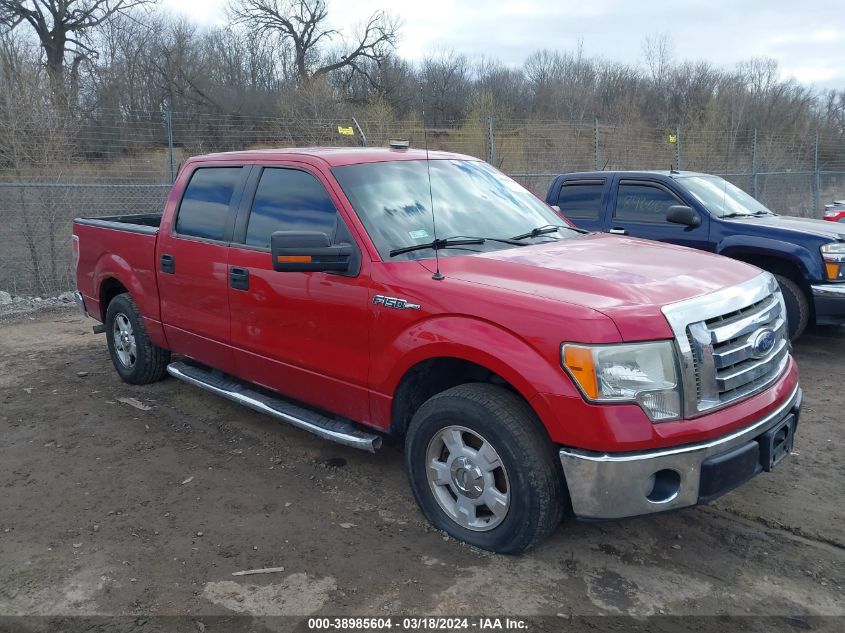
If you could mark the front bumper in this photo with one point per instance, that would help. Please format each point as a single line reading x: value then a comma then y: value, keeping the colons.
x: 829, y: 303
x: 617, y: 485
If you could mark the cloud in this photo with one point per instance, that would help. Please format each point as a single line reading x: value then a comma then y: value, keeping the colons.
x: 806, y: 43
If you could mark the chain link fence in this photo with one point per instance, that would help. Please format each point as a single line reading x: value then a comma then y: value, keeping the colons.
x: 114, y: 163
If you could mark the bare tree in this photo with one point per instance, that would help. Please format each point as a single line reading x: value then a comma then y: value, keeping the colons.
x: 657, y: 51
x: 301, y: 24
x: 64, y: 28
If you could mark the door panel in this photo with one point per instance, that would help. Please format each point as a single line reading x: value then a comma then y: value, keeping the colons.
x: 192, y: 258
x: 640, y: 211
x: 304, y: 334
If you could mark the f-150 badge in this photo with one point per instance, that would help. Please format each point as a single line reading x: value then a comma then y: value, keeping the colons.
x: 393, y: 302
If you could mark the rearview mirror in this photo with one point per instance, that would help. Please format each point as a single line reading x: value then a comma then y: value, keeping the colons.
x: 682, y: 214
x: 308, y: 251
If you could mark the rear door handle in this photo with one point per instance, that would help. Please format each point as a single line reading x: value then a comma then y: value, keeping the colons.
x: 168, y: 264
x: 239, y: 278
x: 618, y: 231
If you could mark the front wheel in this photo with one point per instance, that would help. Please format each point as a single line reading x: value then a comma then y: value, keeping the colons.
x: 137, y: 360
x: 483, y: 469
x: 797, y: 306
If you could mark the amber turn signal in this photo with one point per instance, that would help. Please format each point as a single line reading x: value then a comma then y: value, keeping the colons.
x: 581, y: 365
x: 294, y: 259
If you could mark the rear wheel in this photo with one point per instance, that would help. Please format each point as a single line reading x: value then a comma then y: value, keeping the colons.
x: 797, y: 306
x: 137, y: 360
x: 483, y: 469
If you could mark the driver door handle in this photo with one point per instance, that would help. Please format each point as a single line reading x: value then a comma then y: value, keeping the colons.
x: 618, y: 231
x: 239, y: 278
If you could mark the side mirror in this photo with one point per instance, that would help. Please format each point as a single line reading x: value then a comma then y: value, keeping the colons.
x: 681, y: 214
x: 308, y: 251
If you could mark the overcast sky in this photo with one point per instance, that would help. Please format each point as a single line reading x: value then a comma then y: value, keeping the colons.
x: 807, y: 38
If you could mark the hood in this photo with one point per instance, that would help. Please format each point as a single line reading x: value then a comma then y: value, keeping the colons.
x: 628, y: 279
x: 820, y: 228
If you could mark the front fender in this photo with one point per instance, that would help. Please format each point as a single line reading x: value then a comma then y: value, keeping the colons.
x: 527, y: 370
x: 737, y: 245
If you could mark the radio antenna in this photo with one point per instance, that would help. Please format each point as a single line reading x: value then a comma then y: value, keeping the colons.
x: 437, y: 276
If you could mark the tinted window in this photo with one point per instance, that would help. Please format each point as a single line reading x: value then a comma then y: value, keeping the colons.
x: 205, y: 205
x: 581, y: 200
x: 643, y: 203
x: 289, y: 200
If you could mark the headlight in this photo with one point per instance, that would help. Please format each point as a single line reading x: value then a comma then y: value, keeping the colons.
x: 833, y: 255
x: 644, y: 373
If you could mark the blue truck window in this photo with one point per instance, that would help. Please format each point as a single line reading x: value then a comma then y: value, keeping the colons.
x: 581, y: 200
x: 643, y: 203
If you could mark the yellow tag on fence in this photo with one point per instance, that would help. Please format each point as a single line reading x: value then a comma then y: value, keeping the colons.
x: 346, y: 131
x: 673, y: 138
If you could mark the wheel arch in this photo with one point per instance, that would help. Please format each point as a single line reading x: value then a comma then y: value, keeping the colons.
x: 779, y: 258
x: 110, y: 287
x: 442, y: 359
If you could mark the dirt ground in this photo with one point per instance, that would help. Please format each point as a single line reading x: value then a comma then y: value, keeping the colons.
x: 142, y: 501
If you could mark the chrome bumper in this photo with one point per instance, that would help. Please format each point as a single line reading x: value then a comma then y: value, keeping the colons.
x: 80, y: 303
x: 617, y: 485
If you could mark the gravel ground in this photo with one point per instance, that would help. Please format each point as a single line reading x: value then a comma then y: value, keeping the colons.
x: 142, y: 501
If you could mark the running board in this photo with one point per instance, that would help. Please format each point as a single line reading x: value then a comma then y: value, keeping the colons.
x: 337, y: 430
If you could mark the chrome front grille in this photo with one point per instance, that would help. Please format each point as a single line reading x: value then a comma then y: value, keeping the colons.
x: 733, y: 343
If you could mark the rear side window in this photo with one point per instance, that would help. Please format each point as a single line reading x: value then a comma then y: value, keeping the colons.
x: 581, y: 200
x: 643, y: 203
x: 205, y: 205
x: 289, y: 200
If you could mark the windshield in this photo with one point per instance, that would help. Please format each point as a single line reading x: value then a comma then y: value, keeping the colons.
x: 722, y: 198
x: 471, y: 199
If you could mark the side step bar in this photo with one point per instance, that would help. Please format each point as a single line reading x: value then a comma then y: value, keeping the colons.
x: 337, y: 430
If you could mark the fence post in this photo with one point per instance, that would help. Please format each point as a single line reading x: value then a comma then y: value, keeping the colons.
x: 754, y: 164
x: 491, y: 148
x: 596, y: 147
x: 678, y: 148
x: 816, y: 177
x: 168, y: 121
x: 360, y: 132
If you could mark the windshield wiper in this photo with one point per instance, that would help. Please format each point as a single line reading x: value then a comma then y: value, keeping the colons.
x: 438, y: 244
x: 457, y: 240
x: 756, y: 214
x: 537, y: 232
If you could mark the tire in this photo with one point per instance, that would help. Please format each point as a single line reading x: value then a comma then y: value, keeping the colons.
x: 526, y: 488
x: 133, y: 354
x: 797, y: 306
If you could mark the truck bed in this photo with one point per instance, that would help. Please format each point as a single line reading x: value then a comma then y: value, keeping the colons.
x: 118, y: 250
x: 138, y: 223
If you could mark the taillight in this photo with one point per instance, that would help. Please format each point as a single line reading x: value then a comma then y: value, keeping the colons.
x: 75, y: 249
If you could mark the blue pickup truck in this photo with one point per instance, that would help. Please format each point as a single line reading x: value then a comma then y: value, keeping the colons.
x: 708, y: 213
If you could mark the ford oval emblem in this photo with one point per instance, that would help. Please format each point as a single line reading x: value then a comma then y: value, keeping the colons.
x: 763, y: 342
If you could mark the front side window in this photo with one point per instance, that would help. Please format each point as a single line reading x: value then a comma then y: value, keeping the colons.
x: 643, y: 203
x: 204, y: 209
x: 581, y: 200
x: 289, y: 200
x: 471, y: 199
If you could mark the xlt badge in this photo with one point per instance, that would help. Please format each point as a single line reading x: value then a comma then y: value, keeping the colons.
x: 393, y: 302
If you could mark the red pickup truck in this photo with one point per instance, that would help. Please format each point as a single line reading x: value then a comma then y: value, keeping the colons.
x: 534, y: 369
